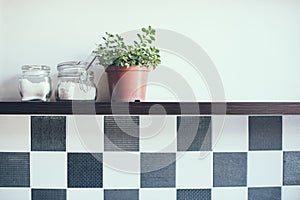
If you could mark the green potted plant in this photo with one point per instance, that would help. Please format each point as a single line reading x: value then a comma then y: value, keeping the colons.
x: 128, y: 65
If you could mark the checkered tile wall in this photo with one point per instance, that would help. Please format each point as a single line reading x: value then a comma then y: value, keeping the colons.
x: 149, y: 157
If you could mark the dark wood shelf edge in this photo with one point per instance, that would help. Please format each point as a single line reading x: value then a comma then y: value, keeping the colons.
x: 150, y: 108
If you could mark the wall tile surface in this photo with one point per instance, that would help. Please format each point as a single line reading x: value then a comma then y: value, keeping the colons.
x: 149, y: 157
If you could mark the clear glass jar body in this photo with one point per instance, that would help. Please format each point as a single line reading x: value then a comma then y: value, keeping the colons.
x: 35, y: 83
x: 75, y: 83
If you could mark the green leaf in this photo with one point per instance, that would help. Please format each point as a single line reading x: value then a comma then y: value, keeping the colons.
x: 152, y: 38
x: 140, y: 37
x: 115, y: 52
x: 118, y: 37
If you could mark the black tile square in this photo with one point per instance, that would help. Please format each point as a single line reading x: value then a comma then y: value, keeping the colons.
x: 48, y: 194
x: 264, y: 193
x: 194, y: 133
x: 158, y: 170
x: 291, y: 168
x: 48, y: 133
x: 125, y: 194
x: 194, y: 194
x: 14, y: 169
x: 121, y: 133
x: 265, y: 133
x: 229, y: 169
x: 85, y: 170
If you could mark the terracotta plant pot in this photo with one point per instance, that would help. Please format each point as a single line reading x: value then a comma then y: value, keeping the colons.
x: 127, y: 84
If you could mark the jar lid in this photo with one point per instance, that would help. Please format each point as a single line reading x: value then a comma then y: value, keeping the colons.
x: 35, y: 67
x: 73, y: 69
x: 71, y: 65
x: 35, y: 70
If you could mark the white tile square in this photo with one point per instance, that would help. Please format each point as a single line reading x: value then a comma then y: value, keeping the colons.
x: 85, y: 133
x: 14, y: 133
x: 121, y: 170
x: 158, y: 194
x: 291, y: 132
x: 264, y: 168
x: 48, y: 170
x: 229, y: 133
x: 157, y: 133
x: 194, y: 170
x: 239, y: 193
x: 290, y: 193
x: 15, y: 194
x: 88, y: 194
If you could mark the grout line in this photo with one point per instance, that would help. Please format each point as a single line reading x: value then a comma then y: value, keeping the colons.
x: 30, y: 161
x: 67, y: 132
x: 212, y: 170
x: 247, y: 133
x: 66, y: 153
x: 282, y: 169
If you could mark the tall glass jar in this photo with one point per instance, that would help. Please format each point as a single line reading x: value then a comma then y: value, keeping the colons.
x: 35, y: 83
x: 75, y: 82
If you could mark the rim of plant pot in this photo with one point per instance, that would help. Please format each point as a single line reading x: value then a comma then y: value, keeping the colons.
x: 130, y: 68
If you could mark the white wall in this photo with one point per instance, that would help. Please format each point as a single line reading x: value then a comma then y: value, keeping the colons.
x: 255, y: 45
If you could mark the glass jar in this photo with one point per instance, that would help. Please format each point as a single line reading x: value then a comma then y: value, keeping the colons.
x: 35, y: 83
x: 75, y: 82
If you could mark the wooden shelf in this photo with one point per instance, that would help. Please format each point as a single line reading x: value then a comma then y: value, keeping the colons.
x: 150, y: 108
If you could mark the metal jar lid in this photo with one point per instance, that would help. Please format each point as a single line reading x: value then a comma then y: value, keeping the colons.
x: 35, y: 70
x: 73, y: 69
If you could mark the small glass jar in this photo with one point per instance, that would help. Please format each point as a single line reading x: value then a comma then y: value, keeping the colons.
x: 75, y: 82
x: 35, y: 83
